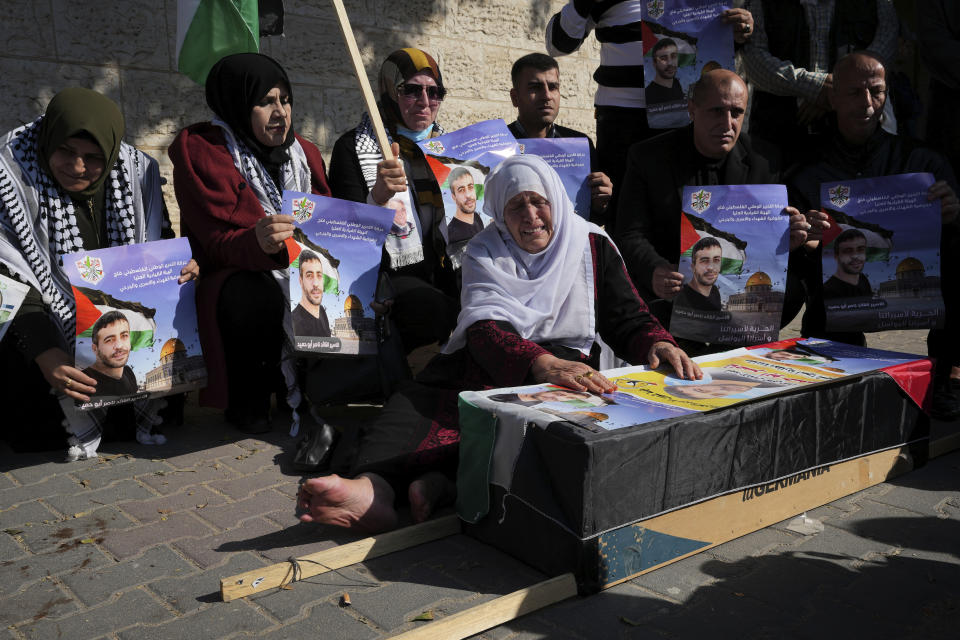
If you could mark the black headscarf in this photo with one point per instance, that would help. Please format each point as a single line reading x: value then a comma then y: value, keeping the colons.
x: 78, y: 112
x: 234, y: 86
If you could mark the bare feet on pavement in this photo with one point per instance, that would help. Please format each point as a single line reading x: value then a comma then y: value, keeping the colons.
x: 364, y: 503
x: 429, y: 491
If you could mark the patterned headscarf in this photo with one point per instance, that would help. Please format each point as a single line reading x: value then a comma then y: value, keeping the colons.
x: 400, y: 66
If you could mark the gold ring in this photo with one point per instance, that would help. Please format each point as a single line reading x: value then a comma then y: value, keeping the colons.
x: 66, y: 384
x: 578, y: 379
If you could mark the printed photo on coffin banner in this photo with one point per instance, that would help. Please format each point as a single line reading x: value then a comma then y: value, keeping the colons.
x: 881, y: 255
x: 461, y: 161
x: 136, y: 327
x: 334, y: 261
x: 734, y: 248
x: 681, y: 40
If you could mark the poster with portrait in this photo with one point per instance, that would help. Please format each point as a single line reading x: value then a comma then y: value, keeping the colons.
x: 136, y: 327
x: 335, y: 257
x: 461, y: 161
x: 570, y: 158
x: 681, y: 40
x: 12, y: 294
x: 881, y: 255
x: 736, y: 376
x: 734, y: 248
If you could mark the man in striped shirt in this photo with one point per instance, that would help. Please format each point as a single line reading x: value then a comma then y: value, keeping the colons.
x: 619, y: 101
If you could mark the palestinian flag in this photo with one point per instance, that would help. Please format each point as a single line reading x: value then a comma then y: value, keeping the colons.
x: 331, y: 276
x: 208, y: 30
x: 686, y: 45
x: 734, y: 251
x: 879, y: 239
x: 91, y: 304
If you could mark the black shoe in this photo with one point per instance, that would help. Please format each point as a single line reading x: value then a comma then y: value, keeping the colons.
x: 315, y: 449
x: 247, y: 422
x: 946, y: 400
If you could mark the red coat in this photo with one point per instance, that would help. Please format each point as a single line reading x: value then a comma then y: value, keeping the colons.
x: 218, y: 212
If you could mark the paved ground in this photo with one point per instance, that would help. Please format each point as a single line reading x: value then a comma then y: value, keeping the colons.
x: 133, y: 545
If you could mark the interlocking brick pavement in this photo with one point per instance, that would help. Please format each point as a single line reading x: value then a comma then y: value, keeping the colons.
x: 133, y: 545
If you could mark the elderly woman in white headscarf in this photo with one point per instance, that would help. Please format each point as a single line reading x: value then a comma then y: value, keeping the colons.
x: 539, y: 286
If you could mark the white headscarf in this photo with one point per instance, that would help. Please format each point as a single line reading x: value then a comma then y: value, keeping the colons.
x: 546, y: 296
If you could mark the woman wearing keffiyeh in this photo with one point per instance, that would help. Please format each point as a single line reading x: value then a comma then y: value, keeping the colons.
x: 423, y: 286
x: 67, y: 183
x: 229, y: 176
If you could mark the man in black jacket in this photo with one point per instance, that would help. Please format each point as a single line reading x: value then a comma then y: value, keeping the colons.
x: 857, y: 147
x: 710, y: 151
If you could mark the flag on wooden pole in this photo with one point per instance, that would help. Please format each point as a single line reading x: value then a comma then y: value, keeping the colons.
x: 207, y: 30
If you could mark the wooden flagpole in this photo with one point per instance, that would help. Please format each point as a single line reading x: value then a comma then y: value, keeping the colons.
x: 361, y: 73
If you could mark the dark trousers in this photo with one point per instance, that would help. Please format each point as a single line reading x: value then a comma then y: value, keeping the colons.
x: 617, y: 129
x: 33, y: 419
x: 250, y: 317
x: 421, y: 313
x: 944, y: 344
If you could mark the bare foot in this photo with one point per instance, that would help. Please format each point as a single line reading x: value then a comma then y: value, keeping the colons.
x: 364, y: 503
x: 429, y: 491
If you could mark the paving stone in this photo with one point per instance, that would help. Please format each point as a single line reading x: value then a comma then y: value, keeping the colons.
x: 396, y: 603
x: 9, y: 549
x: 119, y: 492
x: 14, y: 574
x: 298, y: 539
x: 173, y: 481
x: 227, y: 516
x: 754, y: 544
x: 246, y: 486
x: 130, y: 542
x: 601, y: 615
x: 120, y: 469
x: 481, y: 567
x: 98, y: 584
x: 838, y: 618
x: 919, y: 500
x: 718, y: 613
x: 213, y: 549
x: 324, y: 621
x: 52, y: 486
x: 130, y: 608
x: 36, y: 467
x: 287, y: 604
x: 213, y: 622
x: 251, y: 459
x: 678, y: 581
x: 27, y: 512
x: 207, y: 455
x: 36, y: 602
x: 6, y: 482
x: 151, y: 510
x: 65, y: 533
x: 190, y: 593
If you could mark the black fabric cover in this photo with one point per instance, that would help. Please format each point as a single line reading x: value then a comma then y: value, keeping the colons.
x: 570, y: 485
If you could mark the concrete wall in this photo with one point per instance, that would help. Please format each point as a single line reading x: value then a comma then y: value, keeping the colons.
x: 126, y: 49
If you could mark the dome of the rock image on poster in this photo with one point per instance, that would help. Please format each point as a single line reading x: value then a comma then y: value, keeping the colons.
x: 908, y: 265
x: 759, y: 279
x: 170, y: 347
x: 353, y: 305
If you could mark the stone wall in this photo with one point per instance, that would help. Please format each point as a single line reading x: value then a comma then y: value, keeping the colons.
x: 126, y: 49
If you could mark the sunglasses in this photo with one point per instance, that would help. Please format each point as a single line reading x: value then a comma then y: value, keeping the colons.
x: 414, y: 90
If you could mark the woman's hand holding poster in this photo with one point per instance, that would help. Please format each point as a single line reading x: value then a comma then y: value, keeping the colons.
x: 881, y: 254
x: 335, y: 257
x: 461, y: 161
x: 681, y: 40
x: 734, y: 247
x: 136, y: 327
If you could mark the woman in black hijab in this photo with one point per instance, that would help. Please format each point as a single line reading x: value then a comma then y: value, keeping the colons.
x: 229, y: 176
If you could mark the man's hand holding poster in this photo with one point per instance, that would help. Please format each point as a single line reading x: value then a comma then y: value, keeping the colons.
x: 881, y: 254
x: 570, y: 158
x: 335, y: 257
x: 734, y: 246
x: 136, y: 327
x: 681, y: 40
x: 461, y: 161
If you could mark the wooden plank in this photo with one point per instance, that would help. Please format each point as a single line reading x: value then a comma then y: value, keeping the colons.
x: 730, y: 516
x: 259, y: 580
x: 496, y: 612
x: 368, y: 98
